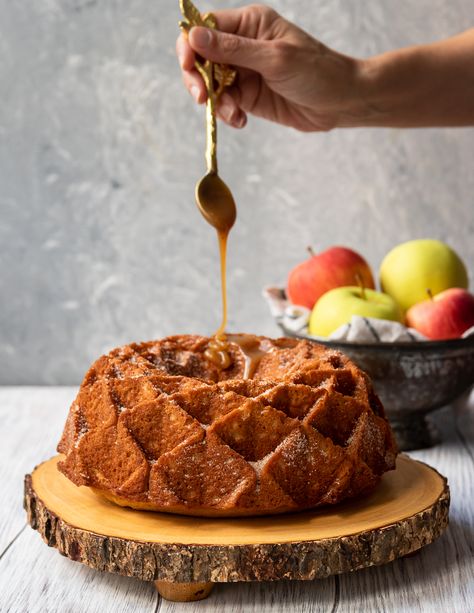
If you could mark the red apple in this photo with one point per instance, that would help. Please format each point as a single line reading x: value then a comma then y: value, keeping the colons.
x: 335, y: 267
x: 446, y: 315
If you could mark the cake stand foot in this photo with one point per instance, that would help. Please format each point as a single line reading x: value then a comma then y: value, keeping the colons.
x: 414, y: 432
x: 183, y: 592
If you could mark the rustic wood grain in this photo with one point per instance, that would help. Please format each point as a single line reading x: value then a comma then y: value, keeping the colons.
x: 35, y: 579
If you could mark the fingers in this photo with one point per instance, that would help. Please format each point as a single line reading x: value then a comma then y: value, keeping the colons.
x: 185, y: 53
x: 230, y: 48
x: 229, y: 111
x: 251, y: 21
x: 192, y: 80
x: 195, y: 85
x: 229, y: 20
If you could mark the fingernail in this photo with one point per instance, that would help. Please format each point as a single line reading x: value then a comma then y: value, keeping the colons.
x: 240, y: 121
x: 180, y: 57
x: 227, y: 110
x: 201, y: 37
x: 195, y: 92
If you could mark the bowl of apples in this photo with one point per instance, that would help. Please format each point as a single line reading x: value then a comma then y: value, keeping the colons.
x: 414, y: 338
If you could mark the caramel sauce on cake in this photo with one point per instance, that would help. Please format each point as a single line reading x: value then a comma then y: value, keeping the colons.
x: 217, y: 351
x: 289, y: 425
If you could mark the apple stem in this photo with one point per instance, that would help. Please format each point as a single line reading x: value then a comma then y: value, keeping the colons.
x: 430, y: 293
x: 360, y: 283
x: 310, y: 250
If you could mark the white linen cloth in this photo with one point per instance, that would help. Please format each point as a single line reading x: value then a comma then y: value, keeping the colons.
x: 358, y: 330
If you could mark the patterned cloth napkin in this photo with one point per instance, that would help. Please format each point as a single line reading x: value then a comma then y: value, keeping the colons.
x: 358, y: 330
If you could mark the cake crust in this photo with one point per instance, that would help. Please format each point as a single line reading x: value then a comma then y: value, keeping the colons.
x: 157, y: 426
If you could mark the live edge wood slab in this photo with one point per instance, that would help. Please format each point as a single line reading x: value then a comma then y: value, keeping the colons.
x: 185, y: 556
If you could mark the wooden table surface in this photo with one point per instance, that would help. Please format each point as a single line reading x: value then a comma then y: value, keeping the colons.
x: 36, y: 579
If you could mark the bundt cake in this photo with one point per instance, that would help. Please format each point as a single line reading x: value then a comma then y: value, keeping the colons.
x: 158, y: 426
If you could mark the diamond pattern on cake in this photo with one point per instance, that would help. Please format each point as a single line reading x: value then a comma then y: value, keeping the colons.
x: 157, y: 426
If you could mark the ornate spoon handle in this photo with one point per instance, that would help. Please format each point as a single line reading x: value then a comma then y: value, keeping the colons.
x: 216, y: 78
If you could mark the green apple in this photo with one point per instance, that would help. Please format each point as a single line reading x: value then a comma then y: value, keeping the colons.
x: 337, y: 306
x: 413, y: 267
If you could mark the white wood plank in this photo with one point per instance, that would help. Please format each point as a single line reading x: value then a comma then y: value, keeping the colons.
x: 32, y: 419
x: 36, y: 579
x: 464, y: 411
x: 264, y: 597
x: 441, y: 576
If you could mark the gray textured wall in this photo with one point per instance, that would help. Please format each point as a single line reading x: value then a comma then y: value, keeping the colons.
x: 100, y: 147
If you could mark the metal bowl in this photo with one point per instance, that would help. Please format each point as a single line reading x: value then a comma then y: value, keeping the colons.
x: 412, y: 379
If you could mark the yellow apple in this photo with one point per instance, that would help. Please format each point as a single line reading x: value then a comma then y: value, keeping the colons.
x: 411, y: 268
x: 337, y: 306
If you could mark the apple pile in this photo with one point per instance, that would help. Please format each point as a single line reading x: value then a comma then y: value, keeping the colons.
x: 424, y: 285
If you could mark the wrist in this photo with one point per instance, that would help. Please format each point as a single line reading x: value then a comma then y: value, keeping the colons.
x: 363, y: 104
x: 395, y: 89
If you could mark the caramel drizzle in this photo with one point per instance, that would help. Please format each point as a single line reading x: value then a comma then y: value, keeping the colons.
x: 222, y: 238
x: 218, y: 349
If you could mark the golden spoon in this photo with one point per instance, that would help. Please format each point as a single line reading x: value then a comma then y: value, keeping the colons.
x: 213, y: 197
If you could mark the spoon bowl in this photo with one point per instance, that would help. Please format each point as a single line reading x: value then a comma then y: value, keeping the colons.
x: 216, y: 203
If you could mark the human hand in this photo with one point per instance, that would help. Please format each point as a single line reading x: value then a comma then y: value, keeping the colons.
x: 283, y: 74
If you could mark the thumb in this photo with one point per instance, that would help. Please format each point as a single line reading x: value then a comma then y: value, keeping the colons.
x: 229, y: 48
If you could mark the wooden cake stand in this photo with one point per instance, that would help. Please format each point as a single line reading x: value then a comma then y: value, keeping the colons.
x: 185, y: 556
